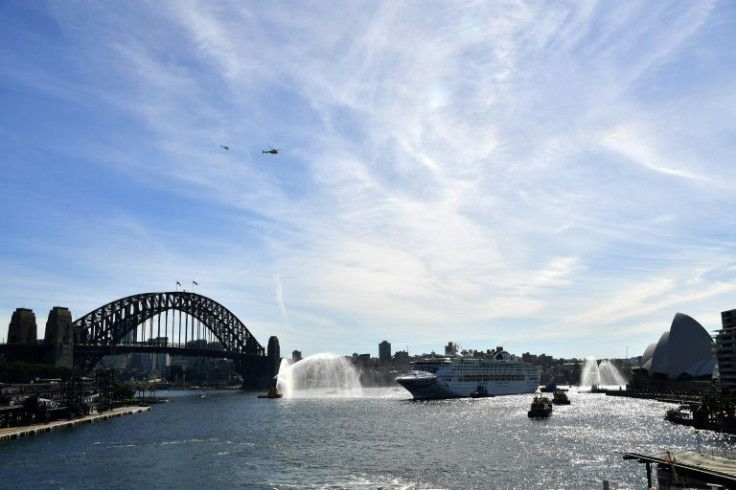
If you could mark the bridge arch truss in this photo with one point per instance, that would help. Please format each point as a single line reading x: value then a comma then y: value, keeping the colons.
x: 111, y: 324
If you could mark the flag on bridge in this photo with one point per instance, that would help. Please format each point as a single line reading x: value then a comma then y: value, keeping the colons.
x: 178, y: 283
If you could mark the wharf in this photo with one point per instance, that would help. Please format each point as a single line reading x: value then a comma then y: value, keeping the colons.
x: 690, y: 465
x: 665, y: 397
x: 8, y: 433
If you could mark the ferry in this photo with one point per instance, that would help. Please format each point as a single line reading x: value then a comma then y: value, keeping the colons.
x: 459, y: 377
x: 541, y: 407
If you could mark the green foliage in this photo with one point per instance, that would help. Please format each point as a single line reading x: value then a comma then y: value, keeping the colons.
x: 122, y: 391
x: 719, y: 405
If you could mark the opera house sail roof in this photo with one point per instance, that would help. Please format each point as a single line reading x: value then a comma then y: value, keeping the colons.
x: 685, y: 351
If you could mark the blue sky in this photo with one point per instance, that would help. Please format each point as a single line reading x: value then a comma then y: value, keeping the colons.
x: 552, y: 177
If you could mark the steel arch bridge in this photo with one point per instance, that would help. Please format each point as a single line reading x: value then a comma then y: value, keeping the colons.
x: 108, y: 329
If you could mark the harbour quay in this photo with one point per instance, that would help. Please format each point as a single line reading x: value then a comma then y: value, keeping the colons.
x: 10, y: 433
x: 688, y: 469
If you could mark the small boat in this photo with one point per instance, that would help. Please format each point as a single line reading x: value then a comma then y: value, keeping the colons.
x: 681, y: 415
x: 480, y: 392
x: 597, y: 389
x: 272, y: 393
x: 549, y: 388
x: 541, y: 407
x: 560, y: 398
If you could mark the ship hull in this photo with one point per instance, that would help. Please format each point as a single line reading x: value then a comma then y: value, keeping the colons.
x: 433, y: 388
x: 426, y: 388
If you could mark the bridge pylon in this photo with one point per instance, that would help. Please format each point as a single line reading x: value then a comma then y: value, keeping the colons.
x: 59, y: 337
x: 261, y: 372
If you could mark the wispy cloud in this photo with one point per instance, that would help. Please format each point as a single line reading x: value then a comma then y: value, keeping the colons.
x: 280, y: 300
x: 474, y: 171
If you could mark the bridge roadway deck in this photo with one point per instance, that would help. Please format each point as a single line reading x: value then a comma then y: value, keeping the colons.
x: 8, y: 433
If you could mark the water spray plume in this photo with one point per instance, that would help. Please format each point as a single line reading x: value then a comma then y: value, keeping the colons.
x: 319, y: 375
x: 605, y: 374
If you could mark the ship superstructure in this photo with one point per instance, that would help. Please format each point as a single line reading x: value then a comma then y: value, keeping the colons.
x: 459, y: 376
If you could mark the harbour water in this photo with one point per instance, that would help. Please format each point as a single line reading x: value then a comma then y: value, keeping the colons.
x: 232, y: 439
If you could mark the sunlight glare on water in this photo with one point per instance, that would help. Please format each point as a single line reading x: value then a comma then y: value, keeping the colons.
x: 380, y: 440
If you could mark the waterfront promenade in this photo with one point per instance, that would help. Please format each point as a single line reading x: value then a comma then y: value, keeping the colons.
x: 9, y: 433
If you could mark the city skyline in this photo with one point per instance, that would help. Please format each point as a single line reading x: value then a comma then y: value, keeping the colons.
x: 549, y: 177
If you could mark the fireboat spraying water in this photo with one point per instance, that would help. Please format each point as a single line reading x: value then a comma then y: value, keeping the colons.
x: 319, y: 375
x: 605, y: 374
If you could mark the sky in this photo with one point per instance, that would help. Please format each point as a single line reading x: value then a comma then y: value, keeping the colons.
x: 552, y: 177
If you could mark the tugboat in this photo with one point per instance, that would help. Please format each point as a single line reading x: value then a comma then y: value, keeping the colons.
x: 550, y: 387
x: 480, y: 392
x: 560, y: 398
x: 272, y: 393
x: 541, y: 407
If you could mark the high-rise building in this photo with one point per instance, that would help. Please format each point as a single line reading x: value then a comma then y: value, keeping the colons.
x: 157, y: 362
x: 451, y: 349
x: 726, y: 351
x: 401, y: 361
x: 384, y: 352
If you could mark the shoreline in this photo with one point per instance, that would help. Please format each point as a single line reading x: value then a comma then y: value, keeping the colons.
x: 10, y: 433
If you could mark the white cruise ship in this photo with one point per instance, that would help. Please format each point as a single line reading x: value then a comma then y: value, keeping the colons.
x: 455, y: 377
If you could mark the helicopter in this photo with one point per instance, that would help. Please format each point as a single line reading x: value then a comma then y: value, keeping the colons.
x: 272, y: 151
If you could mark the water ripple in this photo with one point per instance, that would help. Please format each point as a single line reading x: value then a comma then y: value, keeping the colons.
x: 381, y: 440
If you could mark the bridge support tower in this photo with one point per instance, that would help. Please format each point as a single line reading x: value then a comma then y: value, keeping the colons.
x: 22, y: 343
x: 59, y: 337
x: 22, y: 328
x: 260, y: 373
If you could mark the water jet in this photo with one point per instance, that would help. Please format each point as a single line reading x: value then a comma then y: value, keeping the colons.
x: 319, y: 375
x: 605, y: 374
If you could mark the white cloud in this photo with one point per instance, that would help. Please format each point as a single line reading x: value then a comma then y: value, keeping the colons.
x: 630, y: 140
x: 445, y: 169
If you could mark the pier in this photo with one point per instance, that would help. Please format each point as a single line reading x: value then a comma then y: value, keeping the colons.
x: 9, y: 433
x: 688, y: 467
